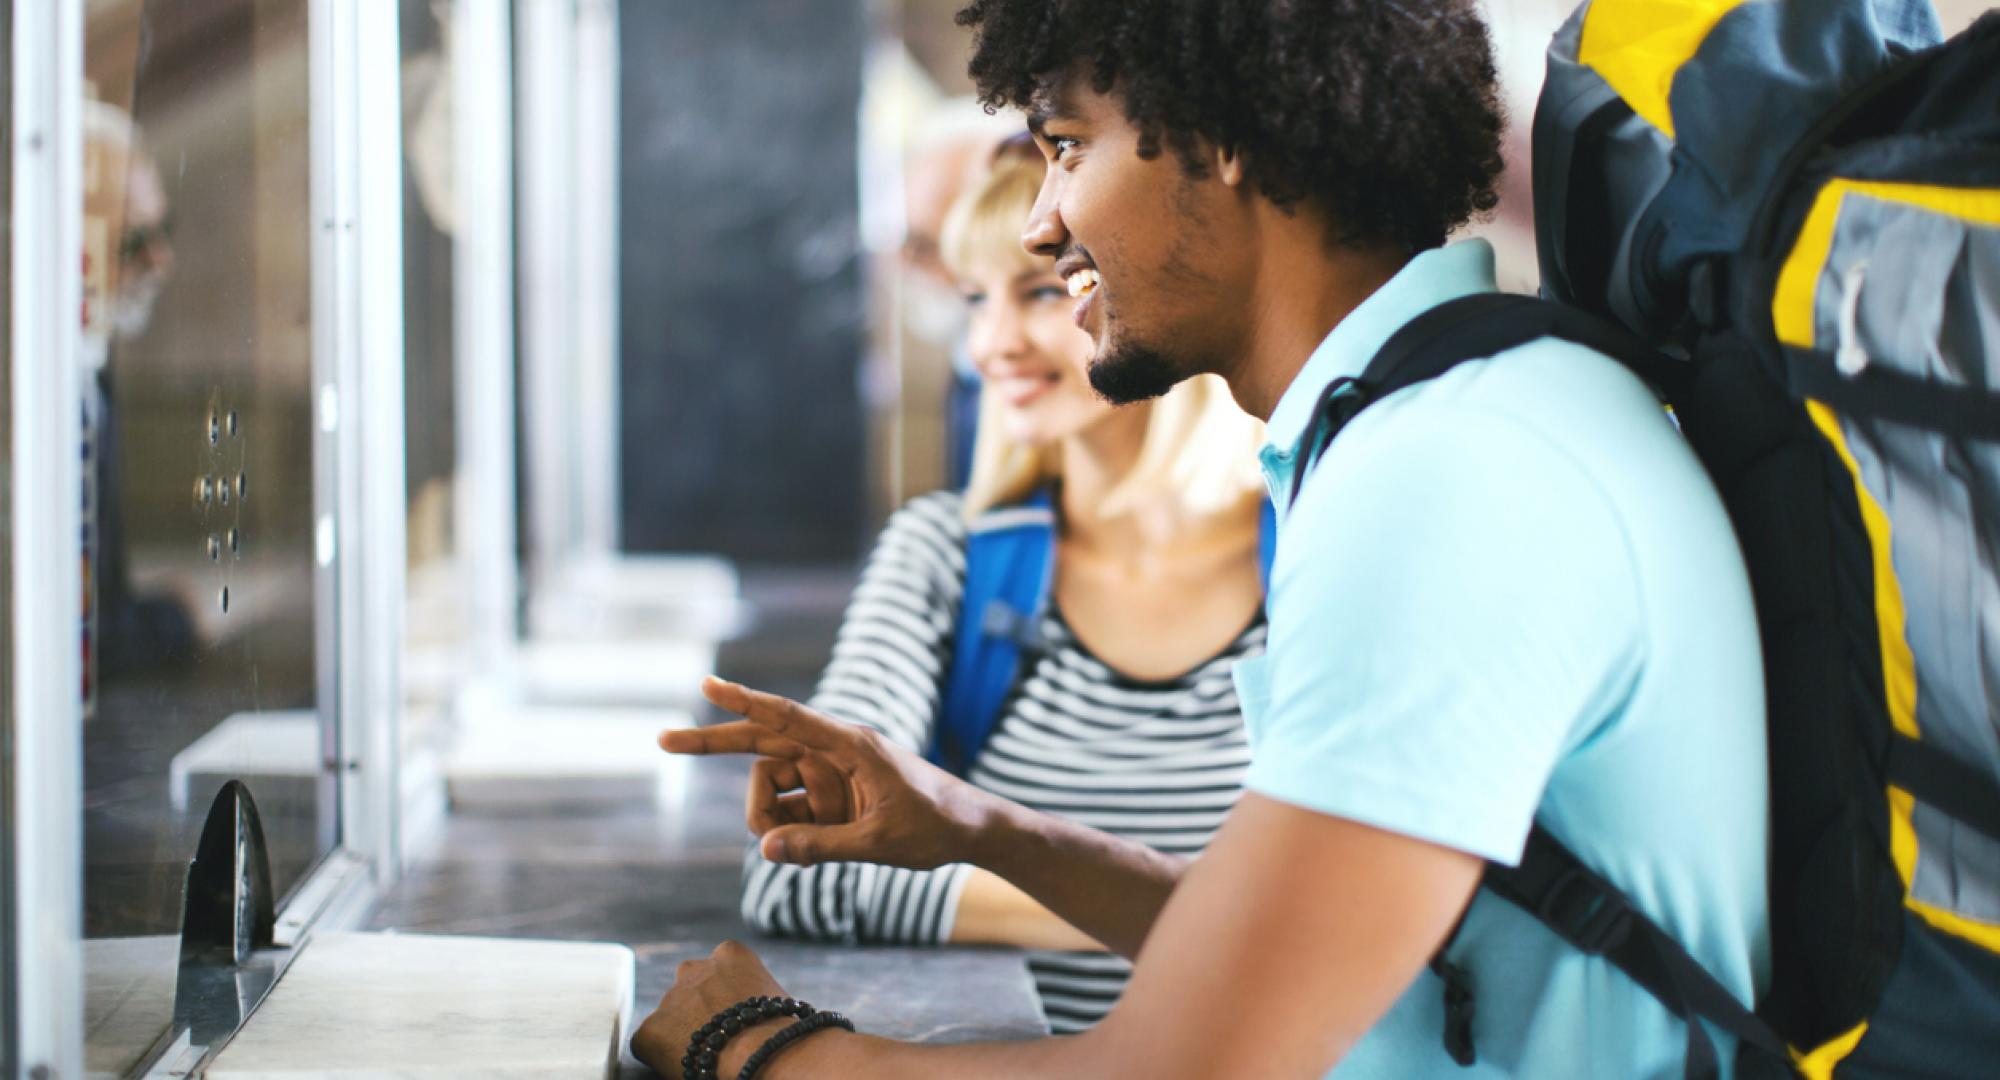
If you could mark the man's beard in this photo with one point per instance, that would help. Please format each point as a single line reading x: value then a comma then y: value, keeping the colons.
x: 132, y: 309
x: 1127, y: 372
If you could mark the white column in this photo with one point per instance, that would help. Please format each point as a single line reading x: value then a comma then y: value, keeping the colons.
x: 597, y: 356
x: 483, y: 166
x: 550, y: 291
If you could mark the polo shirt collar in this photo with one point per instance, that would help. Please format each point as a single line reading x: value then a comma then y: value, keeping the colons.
x: 1426, y: 281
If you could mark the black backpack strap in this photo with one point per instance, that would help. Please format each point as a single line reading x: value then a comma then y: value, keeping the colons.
x: 1939, y: 780
x: 1881, y: 394
x: 1460, y: 1002
x: 1483, y: 324
x: 1550, y: 883
x: 1473, y: 328
x: 1590, y: 913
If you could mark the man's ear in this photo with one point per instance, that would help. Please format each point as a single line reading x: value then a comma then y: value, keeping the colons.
x: 1229, y: 165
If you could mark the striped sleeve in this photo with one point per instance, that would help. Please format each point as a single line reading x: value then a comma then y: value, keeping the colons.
x: 887, y: 672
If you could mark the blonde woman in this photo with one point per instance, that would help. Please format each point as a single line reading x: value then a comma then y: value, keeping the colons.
x: 1124, y: 716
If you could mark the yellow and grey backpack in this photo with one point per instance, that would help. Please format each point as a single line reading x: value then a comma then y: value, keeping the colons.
x: 1785, y: 216
x: 1801, y: 200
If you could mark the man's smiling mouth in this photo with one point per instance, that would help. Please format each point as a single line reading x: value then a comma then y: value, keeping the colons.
x: 1083, y: 282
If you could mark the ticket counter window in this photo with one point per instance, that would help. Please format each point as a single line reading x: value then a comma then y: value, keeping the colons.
x: 204, y: 607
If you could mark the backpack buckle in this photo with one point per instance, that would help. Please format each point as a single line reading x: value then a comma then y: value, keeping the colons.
x: 1585, y: 912
x: 1002, y: 620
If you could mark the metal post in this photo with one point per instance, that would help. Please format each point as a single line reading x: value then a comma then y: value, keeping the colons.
x: 358, y: 364
x: 47, y: 710
x: 331, y: 54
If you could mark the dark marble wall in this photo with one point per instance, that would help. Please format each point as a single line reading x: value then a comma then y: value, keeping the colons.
x: 742, y: 295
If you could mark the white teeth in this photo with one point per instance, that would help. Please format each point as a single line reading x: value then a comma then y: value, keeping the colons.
x: 1083, y: 282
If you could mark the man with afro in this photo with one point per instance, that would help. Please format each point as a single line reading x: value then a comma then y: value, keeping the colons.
x: 1505, y: 597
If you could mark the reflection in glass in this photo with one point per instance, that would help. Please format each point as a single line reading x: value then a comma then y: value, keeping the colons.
x: 437, y: 617
x: 199, y: 448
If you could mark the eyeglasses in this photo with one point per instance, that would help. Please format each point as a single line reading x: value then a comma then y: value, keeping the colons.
x: 139, y: 239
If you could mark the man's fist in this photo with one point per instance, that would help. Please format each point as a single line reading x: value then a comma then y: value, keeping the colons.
x: 701, y: 989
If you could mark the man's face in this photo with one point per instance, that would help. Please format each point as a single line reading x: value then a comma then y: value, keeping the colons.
x: 1153, y: 255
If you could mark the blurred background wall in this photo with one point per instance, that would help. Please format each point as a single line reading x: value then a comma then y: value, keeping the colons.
x: 790, y: 344
x: 744, y: 310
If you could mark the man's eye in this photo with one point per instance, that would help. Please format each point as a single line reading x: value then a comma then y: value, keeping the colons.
x: 1062, y: 145
x: 974, y: 299
x: 1043, y: 294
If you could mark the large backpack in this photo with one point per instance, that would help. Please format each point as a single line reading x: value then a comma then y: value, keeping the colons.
x: 1786, y: 218
x: 1009, y: 571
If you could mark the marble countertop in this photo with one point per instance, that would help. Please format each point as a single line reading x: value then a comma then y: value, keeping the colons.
x: 665, y: 883
x: 434, y: 1007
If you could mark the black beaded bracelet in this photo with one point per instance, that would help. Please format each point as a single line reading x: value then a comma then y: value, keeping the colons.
x: 705, y: 1045
x: 805, y: 1027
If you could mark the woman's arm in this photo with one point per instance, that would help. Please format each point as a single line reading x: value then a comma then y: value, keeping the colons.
x: 871, y: 800
x: 993, y: 912
x: 854, y: 903
x: 886, y: 673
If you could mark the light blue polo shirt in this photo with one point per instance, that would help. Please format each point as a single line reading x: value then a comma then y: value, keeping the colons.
x: 1510, y: 594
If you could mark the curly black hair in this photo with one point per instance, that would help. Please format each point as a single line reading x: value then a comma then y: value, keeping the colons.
x: 1384, y: 113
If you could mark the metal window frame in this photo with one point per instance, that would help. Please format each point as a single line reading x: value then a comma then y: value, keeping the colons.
x: 359, y: 448
x: 332, y: 136
x: 46, y: 710
x: 357, y: 356
x: 375, y: 449
x: 8, y: 991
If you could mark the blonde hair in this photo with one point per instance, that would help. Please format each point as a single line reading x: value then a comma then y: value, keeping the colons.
x: 1199, y: 447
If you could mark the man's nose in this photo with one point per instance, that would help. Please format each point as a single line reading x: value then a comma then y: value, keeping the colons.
x: 1046, y: 234
x: 158, y: 254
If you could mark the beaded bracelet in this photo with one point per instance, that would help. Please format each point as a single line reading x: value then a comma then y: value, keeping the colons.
x: 705, y: 1045
x: 816, y: 1022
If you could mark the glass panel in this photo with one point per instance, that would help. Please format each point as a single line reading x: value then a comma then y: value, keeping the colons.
x: 199, y: 496
x: 437, y: 617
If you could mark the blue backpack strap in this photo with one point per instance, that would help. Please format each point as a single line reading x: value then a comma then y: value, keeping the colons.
x: 1008, y: 561
x: 1267, y: 543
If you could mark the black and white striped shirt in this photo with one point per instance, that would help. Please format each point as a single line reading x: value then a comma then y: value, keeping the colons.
x: 1158, y: 762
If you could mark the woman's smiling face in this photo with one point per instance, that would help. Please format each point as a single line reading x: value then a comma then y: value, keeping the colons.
x: 1024, y: 340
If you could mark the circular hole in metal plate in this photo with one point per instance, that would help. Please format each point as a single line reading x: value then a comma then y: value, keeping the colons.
x: 224, y: 598
x: 214, y: 549
x: 234, y: 427
x: 214, y: 429
x: 235, y: 541
x: 222, y: 492
x: 242, y: 485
